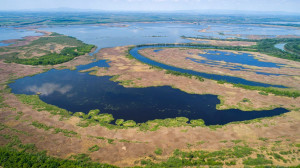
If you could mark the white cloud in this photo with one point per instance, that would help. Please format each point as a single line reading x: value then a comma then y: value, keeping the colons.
x: 49, y: 88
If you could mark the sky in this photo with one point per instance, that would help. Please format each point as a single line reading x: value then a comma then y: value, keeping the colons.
x: 155, y: 5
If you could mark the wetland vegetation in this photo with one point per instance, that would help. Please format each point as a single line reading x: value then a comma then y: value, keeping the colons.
x: 266, y: 90
x: 266, y: 46
x: 51, y: 57
x: 10, y: 157
x: 134, y: 52
x: 94, y: 117
x: 172, y: 102
x: 293, y: 47
x: 88, y: 119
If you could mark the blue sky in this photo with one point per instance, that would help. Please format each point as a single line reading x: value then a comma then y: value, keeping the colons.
x: 155, y: 5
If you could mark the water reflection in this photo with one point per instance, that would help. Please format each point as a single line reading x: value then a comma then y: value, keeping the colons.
x: 49, y: 88
x: 139, y: 104
x: 81, y: 92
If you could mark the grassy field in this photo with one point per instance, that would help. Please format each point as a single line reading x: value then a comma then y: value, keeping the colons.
x: 36, y: 134
x: 51, y: 50
x: 266, y: 46
x: 93, y: 137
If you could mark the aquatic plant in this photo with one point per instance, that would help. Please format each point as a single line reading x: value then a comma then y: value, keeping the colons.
x: 103, y: 118
x: 39, y: 105
x: 198, y: 122
x: 93, y: 112
x: 119, y: 121
x: 129, y: 123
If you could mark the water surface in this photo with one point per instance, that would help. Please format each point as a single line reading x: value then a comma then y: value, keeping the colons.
x: 161, y: 32
x: 77, y: 92
x: 80, y: 92
x: 280, y: 46
x: 12, y: 33
x: 135, y: 52
x: 240, y: 58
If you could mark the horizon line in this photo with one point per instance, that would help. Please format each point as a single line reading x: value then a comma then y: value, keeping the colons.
x: 211, y: 11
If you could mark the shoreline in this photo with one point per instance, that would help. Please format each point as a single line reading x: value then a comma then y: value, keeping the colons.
x: 257, y: 55
x: 122, y: 147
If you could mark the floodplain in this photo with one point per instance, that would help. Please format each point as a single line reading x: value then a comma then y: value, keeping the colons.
x: 105, y: 105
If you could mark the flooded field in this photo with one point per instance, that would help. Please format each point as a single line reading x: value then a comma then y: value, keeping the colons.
x: 77, y: 91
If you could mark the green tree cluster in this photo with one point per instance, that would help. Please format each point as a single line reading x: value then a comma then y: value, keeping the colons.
x: 10, y: 157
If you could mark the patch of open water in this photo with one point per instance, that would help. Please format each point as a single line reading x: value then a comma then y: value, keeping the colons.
x: 76, y: 91
x: 81, y: 92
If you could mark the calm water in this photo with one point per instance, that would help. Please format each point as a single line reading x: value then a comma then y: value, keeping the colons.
x: 158, y: 50
x: 280, y: 46
x: 145, y: 33
x: 5, y: 44
x: 212, y: 63
x: 134, y: 34
x: 224, y: 60
x: 135, y: 52
x: 231, y: 67
x: 241, y: 58
x: 76, y: 92
x: 100, y: 63
x: 245, y: 30
x: 268, y: 74
x: 11, y: 33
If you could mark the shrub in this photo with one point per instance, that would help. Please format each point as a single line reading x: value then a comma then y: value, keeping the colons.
x: 41, y: 125
x: 10, y: 157
x: 198, y: 122
x: 94, y: 148
x: 129, y: 123
x: 119, y: 121
x: 260, y: 160
x: 104, y: 118
x: 158, y: 151
x: 93, y: 112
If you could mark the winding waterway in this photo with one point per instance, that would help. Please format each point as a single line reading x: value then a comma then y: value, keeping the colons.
x: 81, y: 92
x: 135, y: 52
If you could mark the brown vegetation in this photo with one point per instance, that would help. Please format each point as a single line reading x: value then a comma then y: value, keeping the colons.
x: 177, y: 57
x: 128, y: 153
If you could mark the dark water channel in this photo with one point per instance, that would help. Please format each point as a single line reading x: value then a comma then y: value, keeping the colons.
x: 135, y: 52
x: 81, y: 92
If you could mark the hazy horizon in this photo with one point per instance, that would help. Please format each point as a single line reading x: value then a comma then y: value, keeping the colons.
x: 286, y: 6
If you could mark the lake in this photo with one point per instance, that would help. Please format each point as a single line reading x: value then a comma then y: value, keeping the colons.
x: 113, y: 35
x: 280, y: 46
x: 12, y: 33
x: 81, y: 92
